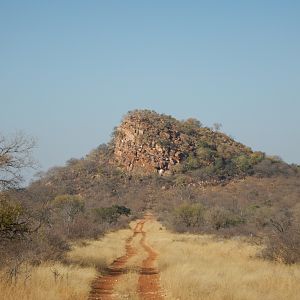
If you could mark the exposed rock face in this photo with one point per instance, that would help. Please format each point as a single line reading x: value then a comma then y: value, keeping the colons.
x: 148, y: 142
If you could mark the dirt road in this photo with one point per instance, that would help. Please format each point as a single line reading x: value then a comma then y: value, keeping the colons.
x: 148, y: 285
x: 148, y: 282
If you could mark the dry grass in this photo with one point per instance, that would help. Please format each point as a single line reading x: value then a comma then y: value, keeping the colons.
x: 201, y: 267
x: 192, y: 267
x: 100, y: 253
x: 72, y: 282
x: 126, y: 288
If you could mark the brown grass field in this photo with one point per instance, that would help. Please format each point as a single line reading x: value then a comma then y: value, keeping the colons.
x: 190, y: 267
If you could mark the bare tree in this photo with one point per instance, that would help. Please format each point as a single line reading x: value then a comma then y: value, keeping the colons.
x: 15, y: 156
x: 217, y: 126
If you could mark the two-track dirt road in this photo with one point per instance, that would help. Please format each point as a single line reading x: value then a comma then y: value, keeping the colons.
x: 148, y: 286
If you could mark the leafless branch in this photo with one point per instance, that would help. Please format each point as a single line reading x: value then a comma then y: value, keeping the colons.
x: 15, y: 156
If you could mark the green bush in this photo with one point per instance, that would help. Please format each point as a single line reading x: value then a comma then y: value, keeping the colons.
x: 243, y: 163
x: 191, y: 163
x: 12, y: 223
x: 191, y: 126
x: 189, y: 215
x: 257, y: 157
x: 111, y: 214
x: 181, y: 180
x: 219, y: 164
x: 204, y: 153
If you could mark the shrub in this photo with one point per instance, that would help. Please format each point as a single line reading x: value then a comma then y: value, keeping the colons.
x: 181, y: 180
x: 205, y: 153
x: 243, y: 163
x: 189, y: 215
x: 111, y: 214
x: 257, y: 157
x: 69, y: 205
x: 191, y: 126
x: 205, y: 173
x: 219, y: 217
x: 190, y: 163
x: 270, y: 167
x: 12, y: 221
x: 283, y: 243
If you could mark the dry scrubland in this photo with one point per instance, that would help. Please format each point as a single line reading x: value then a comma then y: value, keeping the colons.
x: 66, y: 281
x: 199, y: 267
x: 192, y: 267
x: 220, y: 187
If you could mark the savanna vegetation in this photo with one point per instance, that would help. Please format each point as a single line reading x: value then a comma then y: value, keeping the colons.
x: 41, y: 227
x: 50, y: 231
x: 199, y: 267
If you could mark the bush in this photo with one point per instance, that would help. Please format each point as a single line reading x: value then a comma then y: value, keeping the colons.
x: 270, y: 167
x: 191, y: 126
x: 188, y: 216
x: 257, y: 157
x: 111, y: 214
x: 205, y: 153
x: 219, y: 217
x: 191, y: 163
x: 13, y: 224
x: 243, y: 163
x: 283, y: 242
x: 69, y: 205
x: 181, y: 180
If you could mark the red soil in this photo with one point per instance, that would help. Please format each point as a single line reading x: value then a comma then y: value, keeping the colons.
x: 148, y: 284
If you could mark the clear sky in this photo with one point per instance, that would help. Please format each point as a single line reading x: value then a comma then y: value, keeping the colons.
x: 69, y: 70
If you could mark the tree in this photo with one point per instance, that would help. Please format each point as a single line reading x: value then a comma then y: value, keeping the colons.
x: 217, y: 126
x: 11, y: 223
x: 220, y: 217
x: 189, y: 215
x: 15, y: 155
x: 243, y: 162
x: 69, y: 206
x: 111, y: 214
x: 191, y: 126
x: 193, y: 122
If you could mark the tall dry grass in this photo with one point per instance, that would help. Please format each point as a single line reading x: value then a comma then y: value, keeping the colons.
x: 201, y: 267
x: 70, y: 282
x: 66, y: 281
x: 192, y: 267
x: 100, y: 253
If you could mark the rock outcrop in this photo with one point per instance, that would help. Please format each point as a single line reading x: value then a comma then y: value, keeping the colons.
x: 148, y: 142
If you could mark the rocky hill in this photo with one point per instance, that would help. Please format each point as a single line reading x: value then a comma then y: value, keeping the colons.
x: 148, y: 142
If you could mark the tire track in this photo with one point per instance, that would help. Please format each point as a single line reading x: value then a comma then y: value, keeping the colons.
x: 103, y: 286
x: 148, y: 284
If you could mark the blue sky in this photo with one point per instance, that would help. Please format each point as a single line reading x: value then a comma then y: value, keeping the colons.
x: 69, y: 70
